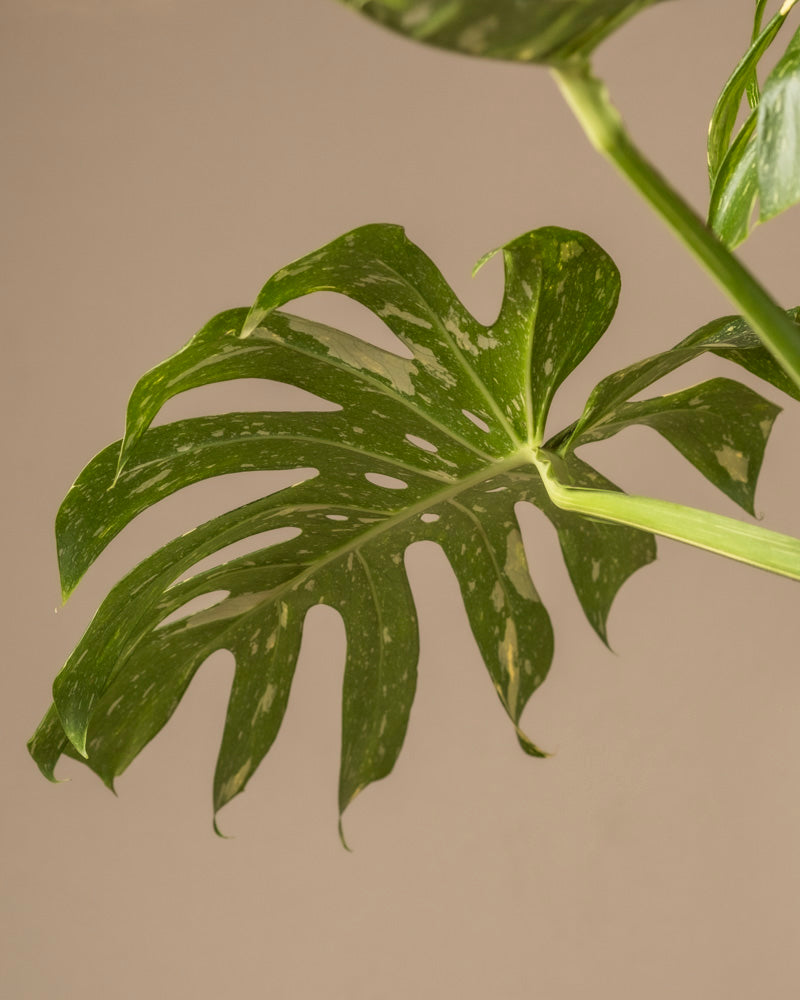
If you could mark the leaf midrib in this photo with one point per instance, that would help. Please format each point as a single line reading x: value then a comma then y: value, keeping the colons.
x: 522, y: 458
x: 459, y: 354
x: 369, y: 379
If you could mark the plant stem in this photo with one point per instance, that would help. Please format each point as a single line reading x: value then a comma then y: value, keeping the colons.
x: 747, y: 543
x: 589, y: 100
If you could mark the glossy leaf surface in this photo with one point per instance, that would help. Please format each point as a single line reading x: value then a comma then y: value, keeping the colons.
x: 762, y: 164
x: 432, y: 446
x: 439, y: 444
x: 544, y: 31
x: 726, y: 110
x: 720, y: 426
x: 779, y: 135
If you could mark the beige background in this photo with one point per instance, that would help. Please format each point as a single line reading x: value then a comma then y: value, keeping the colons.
x: 161, y: 159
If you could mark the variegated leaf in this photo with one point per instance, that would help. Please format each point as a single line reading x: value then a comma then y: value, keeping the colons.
x: 762, y: 164
x: 543, y: 31
x: 438, y: 445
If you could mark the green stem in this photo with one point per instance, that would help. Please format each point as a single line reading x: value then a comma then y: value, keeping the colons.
x: 747, y: 543
x: 589, y: 100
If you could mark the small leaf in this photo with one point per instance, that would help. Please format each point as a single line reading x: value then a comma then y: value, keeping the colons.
x: 720, y: 426
x: 735, y: 191
x: 763, y: 162
x: 729, y: 337
x: 726, y: 110
x: 526, y: 30
x: 778, y: 132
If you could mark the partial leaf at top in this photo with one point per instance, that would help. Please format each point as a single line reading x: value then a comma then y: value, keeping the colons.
x: 437, y: 446
x: 542, y: 31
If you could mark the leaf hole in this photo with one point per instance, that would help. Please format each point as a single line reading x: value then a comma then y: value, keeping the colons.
x: 419, y: 442
x: 477, y: 421
x: 387, y: 482
x: 344, y: 313
x: 201, y: 603
x: 337, y: 517
x: 262, y: 540
x: 252, y: 395
x: 429, y: 518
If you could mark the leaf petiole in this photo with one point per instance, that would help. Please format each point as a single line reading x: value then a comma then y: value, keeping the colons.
x: 747, y: 543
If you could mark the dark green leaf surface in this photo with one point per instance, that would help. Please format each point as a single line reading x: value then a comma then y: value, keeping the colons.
x: 729, y: 337
x: 438, y: 445
x: 720, y: 426
x: 524, y: 30
x: 735, y: 192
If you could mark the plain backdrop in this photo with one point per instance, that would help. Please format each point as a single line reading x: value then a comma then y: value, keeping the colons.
x: 161, y: 158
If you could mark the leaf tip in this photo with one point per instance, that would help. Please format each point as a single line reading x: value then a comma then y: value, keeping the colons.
x: 252, y: 320
x: 77, y: 737
x: 46, y: 765
x: 219, y: 833
x: 342, y: 838
x: 484, y: 260
x: 530, y: 747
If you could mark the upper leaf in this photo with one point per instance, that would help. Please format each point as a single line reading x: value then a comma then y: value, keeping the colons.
x: 434, y: 446
x: 762, y: 164
x: 779, y: 135
x: 543, y: 31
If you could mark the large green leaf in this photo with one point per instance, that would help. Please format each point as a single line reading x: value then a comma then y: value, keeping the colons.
x: 433, y: 446
x: 440, y: 444
x: 543, y: 31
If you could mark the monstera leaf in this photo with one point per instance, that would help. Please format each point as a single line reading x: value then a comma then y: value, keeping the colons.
x: 543, y: 31
x: 439, y: 444
x: 761, y: 165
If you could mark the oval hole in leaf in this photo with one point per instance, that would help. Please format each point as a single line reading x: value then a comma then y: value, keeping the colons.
x: 201, y: 603
x: 343, y: 313
x: 388, y: 482
x: 477, y: 421
x: 419, y: 442
x: 429, y: 518
x: 242, y: 395
x: 337, y: 517
x: 263, y: 540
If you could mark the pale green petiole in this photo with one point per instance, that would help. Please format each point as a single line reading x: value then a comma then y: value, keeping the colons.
x: 747, y: 543
x: 589, y: 100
